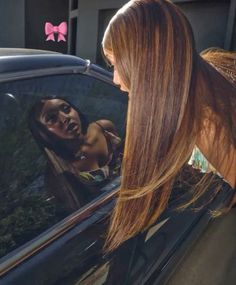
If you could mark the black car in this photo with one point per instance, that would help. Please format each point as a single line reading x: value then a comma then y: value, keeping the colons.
x: 43, y: 238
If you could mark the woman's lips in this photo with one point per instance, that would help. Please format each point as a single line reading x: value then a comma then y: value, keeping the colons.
x: 72, y: 127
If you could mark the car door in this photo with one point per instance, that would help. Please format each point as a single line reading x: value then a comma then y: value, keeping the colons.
x: 45, y: 240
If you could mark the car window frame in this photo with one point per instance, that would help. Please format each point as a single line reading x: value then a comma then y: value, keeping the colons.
x: 24, y: 252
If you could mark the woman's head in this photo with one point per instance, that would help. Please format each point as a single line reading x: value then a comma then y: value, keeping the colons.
x: 60, y: 118
x: 57, y: 125
x: 151, y: 45
x: 145, y: 39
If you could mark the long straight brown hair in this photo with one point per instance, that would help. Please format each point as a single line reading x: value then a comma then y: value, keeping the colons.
x: 172, y: 90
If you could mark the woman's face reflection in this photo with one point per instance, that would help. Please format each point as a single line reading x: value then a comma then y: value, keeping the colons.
x: 61, y: 119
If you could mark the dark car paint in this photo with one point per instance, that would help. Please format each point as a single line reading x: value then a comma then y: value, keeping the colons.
x: 155, y: 260
x: 84, y: 245
x: 26, y: 66
x: 161, y: 271
x: 80, y: 242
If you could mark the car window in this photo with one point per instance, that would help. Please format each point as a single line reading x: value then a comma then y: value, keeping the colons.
x: 40, y: 181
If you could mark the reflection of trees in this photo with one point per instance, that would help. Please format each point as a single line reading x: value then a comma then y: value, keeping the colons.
x: 25, y: 208
x: 29, y: 217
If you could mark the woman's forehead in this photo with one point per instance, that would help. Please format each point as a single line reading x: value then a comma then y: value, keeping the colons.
x: 50, y: 106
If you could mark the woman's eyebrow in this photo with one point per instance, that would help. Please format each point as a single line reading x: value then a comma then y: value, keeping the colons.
x: 64, y: 103
x: 49, y: 111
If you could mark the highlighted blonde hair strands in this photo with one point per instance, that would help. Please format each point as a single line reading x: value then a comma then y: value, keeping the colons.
x: 152, y: 47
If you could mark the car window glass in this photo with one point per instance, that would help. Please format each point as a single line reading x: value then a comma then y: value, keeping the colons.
x: 40, y: 185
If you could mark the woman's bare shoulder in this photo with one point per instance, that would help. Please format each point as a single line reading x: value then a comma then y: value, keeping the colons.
x: 106, y: 125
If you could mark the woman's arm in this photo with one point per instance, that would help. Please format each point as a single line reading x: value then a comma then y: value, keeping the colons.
x: 108, y: 126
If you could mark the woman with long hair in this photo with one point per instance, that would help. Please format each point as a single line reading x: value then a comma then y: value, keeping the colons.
x: 177, y: 100
x: 83, y: 155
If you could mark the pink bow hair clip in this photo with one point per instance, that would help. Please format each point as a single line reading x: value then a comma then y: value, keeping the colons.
x: 50, y: 30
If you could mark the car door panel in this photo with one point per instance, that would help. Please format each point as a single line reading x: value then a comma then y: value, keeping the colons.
x: 67, y: 246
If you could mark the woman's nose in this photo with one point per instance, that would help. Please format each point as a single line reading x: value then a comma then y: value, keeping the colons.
x: 64, y: 118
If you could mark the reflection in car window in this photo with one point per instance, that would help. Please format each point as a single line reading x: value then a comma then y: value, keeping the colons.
x: 33, y: 186
x: 85, y: 155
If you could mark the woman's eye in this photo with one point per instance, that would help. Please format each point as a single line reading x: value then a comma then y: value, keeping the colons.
x: 66, y: 108
x: 50, y: 119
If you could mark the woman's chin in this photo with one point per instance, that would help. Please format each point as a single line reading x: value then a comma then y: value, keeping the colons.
x: 124, y: 89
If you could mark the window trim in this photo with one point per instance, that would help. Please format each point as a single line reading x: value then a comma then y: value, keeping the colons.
x: 27, y: 250
x: 90, y: 69
x: 16, y: 257
x: 20, y: 75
